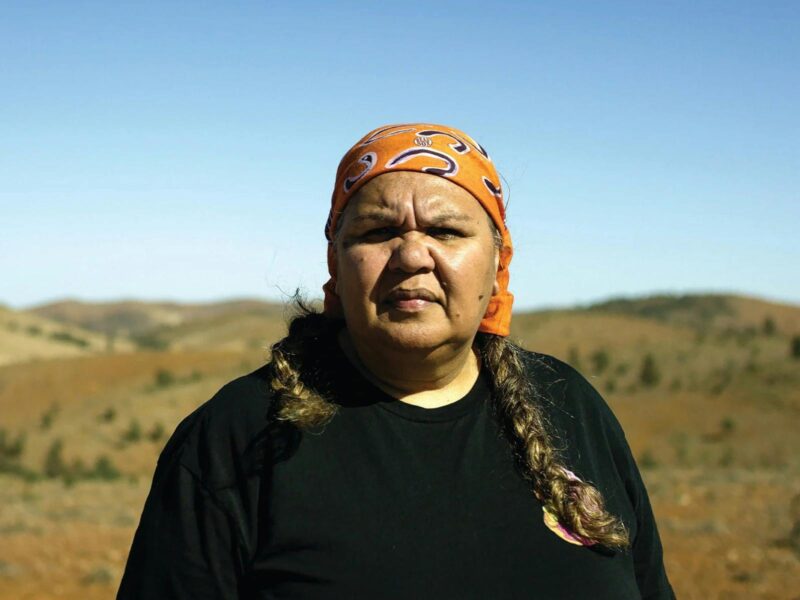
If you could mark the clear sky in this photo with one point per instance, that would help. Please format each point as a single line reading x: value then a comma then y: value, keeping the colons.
x: 186, y: 150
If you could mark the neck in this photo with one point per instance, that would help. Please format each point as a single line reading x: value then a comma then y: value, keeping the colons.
x: 425, y: 379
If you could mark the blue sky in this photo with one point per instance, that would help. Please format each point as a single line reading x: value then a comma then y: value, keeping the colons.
x: 186, y: 150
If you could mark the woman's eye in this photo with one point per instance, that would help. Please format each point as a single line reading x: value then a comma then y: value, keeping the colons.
x: 379, y: 233
x: 443, y: 233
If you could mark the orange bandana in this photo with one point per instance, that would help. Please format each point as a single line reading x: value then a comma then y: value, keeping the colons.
x: 427, y: 148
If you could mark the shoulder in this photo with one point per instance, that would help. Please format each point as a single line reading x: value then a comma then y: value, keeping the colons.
x: 225, y: 438
x: 573, y: 406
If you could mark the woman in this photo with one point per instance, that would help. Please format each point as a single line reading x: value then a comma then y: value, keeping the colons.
x: 397, y: 445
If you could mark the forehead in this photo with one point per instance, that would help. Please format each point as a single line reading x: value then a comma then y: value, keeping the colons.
x: 425, y: 194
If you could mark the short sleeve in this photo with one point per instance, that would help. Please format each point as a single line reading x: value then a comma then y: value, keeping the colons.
x: 648, y: 559
x: 596, y: 444
x: 200, y: 525
x: 183, y: 547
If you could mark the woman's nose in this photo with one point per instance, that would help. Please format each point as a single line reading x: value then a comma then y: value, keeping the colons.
x: 411, y: 255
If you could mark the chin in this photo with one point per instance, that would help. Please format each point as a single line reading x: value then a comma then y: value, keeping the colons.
x: 416, y: 336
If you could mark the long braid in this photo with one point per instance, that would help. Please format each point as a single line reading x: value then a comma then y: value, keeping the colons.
x: 576, y: 504
x: 298, y: 375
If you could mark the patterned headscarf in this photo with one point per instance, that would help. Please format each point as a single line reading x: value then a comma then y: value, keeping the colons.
x: 434, y: 149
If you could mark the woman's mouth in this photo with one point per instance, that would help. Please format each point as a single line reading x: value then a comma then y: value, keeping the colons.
x: 413, y: 300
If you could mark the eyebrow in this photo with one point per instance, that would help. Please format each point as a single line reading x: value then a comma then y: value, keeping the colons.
x: 385, y: 217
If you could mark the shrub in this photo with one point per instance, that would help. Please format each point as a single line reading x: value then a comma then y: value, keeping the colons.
x: 156, y: 433
x: 648, y: 460
x: 54, y: 465
x: 107, y: 415
x: 11, y: 450
x: 611, y: 385
x: 727, y: 425
x: 133, y: 433
x: 48, y: 416
x: 600, y: 360
x: 649, y: 374
x: 164, y: 378
x: 795, y: 347
x: 34, y: 330
x: 150, y: 341
x: 68, y: 338
x: 768, y: 326
x: 104, y: 469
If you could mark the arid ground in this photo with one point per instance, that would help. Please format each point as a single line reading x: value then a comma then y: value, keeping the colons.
x: 706, y: 388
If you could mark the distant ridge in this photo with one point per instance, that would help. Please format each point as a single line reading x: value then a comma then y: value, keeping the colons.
x: 136, y: 317
x: 705, y: 311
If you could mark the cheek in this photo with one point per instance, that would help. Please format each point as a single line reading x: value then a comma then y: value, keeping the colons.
x: 469, y: 272
x: 359, y: 269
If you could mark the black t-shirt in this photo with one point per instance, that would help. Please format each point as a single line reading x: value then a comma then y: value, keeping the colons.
x: 388, y: 500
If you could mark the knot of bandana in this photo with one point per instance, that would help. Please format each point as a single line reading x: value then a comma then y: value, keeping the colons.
x: 438, y: 150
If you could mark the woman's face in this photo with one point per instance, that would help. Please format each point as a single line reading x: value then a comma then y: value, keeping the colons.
x: 415, y: 262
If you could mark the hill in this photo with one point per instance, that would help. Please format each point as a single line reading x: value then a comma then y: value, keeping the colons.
x: 706, y: 388
x: 26, y: 336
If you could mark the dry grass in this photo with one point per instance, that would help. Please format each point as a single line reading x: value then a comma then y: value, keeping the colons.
x: 716, y: 438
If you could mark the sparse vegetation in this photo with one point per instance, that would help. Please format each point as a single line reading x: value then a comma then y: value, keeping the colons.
x: 164, y: 378
x: 47, y: 418
x: 98, y: 576
x: 104, y: 469
x: 150, y: 341
x: 108, y: 415
x: 156, y: 432
x: 768, y: 326
x: 795, y: 347
x: 600, y: 360
x: 34, y: 330
x: 649, y: 374
x: 54, y: 465
x: 647, y: 460
x: 133, y: 433
x: 68, y: 338
x: 727, y: 426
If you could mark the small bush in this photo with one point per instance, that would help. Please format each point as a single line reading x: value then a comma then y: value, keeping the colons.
x: 108, y: 415
x: 133, y: 433
x: 164, y: 378
x: 156, y: 433
x: 768, y: 326
x: 794, y: 351
x: 54, y: 465
x: 104, y: 469
x: 47, y: 418
x: 727, y: 425
x: 611, y: 386
x: 149, y: 341
x: 648, y: 460
x: 621, y: 369
x: 34, y: 330
x: 98, y: 576
x: 600, y: 360
x: 11, y: 450
x: 68, y: 338
x: 649, y: 375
